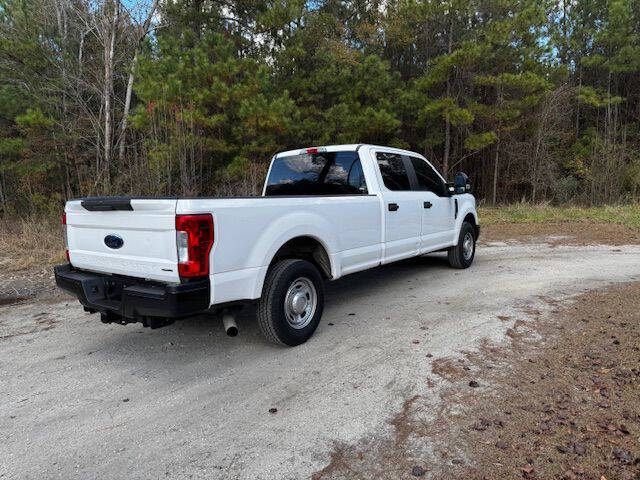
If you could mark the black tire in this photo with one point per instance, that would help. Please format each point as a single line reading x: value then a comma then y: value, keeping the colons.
x: 456, y: 254
x: 271, y: 306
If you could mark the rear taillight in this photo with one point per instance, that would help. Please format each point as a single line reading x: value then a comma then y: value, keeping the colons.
x: 64, y: 233
x: 194, y: 237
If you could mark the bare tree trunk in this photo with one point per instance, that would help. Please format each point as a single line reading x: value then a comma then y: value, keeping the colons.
x: 565, y: 34
x: 495, y: 175
x: 607, y: 128
x: 125, y: 113
x: 109, y: 51
x: 80, y: 53
x: 578, y: 104
x: 536, y: 156
x: 127, y: 100
x: 63, y: 31
x: 3, y: 200
x: 447, y: 125
x: 534, y: 176
x: 495, y: 164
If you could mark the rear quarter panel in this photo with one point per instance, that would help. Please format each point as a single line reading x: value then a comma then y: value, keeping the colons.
x: 249, y: 231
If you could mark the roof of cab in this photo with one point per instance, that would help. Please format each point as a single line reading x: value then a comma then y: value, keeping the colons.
x: 350, y: 147
x: 326, y: 148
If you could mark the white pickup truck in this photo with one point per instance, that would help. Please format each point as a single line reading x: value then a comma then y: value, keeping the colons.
x: 325, y: 212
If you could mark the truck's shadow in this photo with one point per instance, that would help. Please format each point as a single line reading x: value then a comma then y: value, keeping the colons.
x: 339, y: 293
x: 382, y: 278
x: 204, y: 335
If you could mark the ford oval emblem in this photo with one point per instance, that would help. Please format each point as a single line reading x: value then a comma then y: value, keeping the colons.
x: 113, y: 241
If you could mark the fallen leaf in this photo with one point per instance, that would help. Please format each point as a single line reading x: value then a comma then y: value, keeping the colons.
x: 481, y: 425
x: 622, y: 455
x: 418, y: 471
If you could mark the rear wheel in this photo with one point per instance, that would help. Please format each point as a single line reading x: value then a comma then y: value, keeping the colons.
x: 461, y: 255
x: 292, y: 302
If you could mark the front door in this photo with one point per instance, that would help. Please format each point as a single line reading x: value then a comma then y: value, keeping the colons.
x: 438, y: 209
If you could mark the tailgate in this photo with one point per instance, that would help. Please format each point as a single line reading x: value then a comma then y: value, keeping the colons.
x: 133, y: 237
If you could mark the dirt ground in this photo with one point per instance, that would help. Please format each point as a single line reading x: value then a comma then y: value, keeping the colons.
x: 526, y: 365
x: 585, y: 233
x: 28, y: 285
x: 561, y: 400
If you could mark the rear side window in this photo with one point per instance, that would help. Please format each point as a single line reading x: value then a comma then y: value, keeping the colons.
x: 394, y: 173
x: 328, y: 173
x: 427, y: 178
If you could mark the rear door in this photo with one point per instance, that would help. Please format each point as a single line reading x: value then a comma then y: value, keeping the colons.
x: 133, y: 237
x: 402, y: 209
x: 438, y: 209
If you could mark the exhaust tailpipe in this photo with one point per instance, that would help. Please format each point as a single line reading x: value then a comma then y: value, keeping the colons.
x: 230, y: 325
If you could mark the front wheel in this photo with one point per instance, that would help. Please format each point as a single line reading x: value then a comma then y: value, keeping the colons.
x: 461, y: 255
x: 290, y: 308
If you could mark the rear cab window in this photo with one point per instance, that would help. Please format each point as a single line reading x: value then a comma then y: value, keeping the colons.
x: 324, y: 173
x: 393, y: 171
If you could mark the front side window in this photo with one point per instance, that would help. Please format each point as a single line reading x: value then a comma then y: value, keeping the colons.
x: 394, y: 173
x: 427, y: 177
x: 327, y: 173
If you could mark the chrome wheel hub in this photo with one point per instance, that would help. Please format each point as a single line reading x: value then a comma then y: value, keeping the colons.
x: 467, y: 246
x: 300, y: 303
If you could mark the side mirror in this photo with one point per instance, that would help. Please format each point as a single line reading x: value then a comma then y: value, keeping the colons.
x: 461, y: 183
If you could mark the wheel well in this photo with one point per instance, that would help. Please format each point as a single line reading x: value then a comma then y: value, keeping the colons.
x: 472, y: 220
x: 306, y: 248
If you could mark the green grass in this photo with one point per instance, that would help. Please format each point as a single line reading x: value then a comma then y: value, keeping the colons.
x: 628, y: 215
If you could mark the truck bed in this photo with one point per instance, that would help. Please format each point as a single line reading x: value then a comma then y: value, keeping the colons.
x: 247, y: 232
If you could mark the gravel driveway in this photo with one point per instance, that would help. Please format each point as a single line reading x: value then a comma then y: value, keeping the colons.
x: 84, y: 400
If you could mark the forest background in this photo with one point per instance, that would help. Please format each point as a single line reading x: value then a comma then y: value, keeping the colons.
x: 537, y: 100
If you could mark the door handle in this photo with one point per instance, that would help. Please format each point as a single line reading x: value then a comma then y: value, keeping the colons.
x: 393, y: 207
x: 427, y: 205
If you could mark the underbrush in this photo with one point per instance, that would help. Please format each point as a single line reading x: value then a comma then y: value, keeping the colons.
x: 31, y: 243
x: 628, y: 215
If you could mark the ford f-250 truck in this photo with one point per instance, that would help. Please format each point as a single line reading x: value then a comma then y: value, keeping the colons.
x: 325, y: 212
